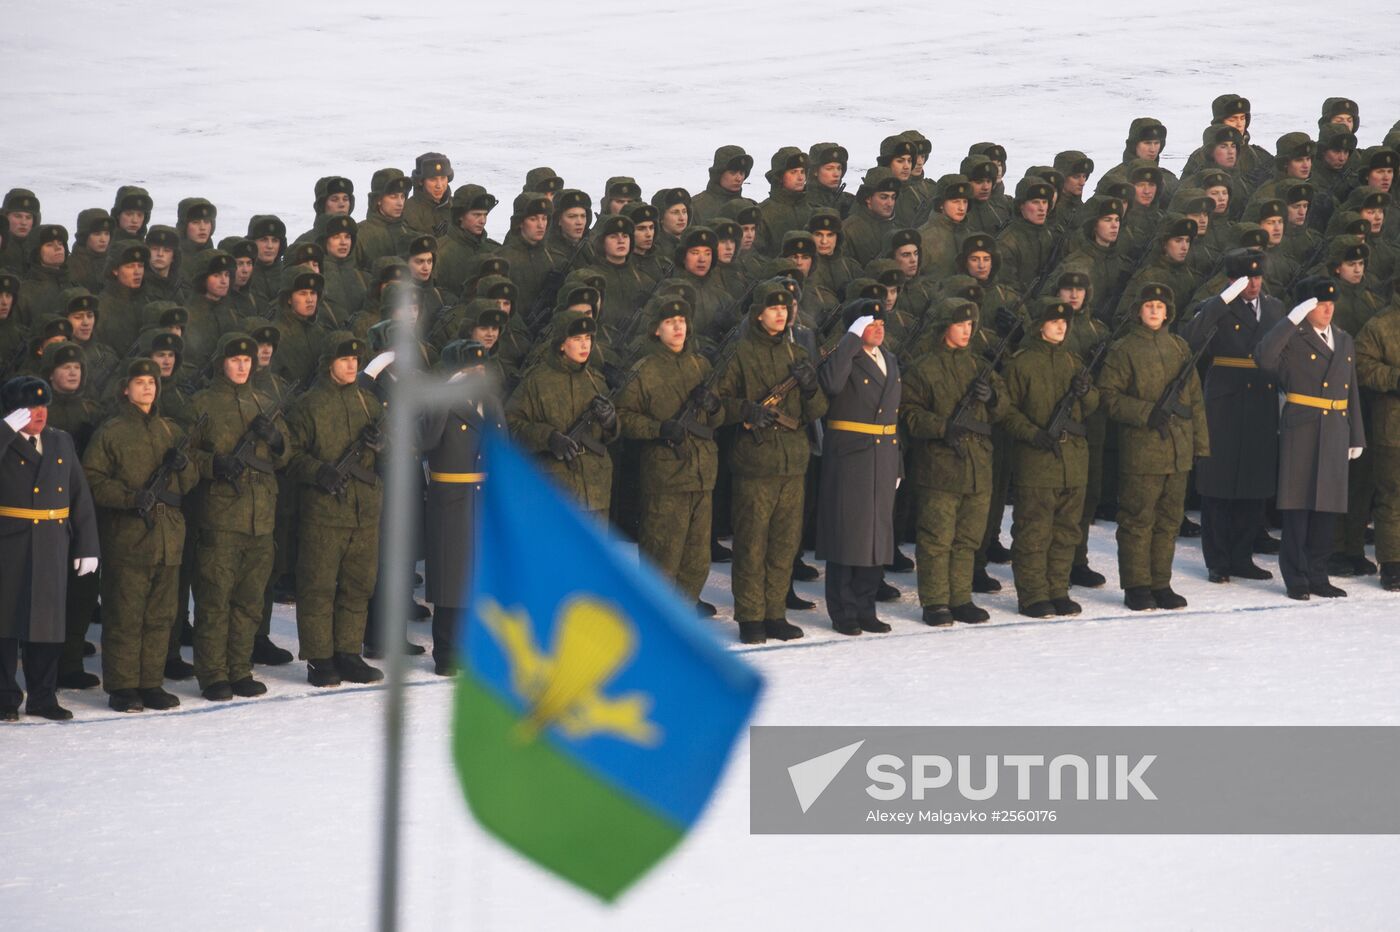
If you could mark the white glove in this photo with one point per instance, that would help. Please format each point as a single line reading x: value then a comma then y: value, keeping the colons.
x: 85, y: 566
x: 1303, y: 310
x: 860, y: 324
x: 18, y: 419
x: 1354, y: 452
x: 1233, y: 290
x: 378, y: 364
x: 897, y: 481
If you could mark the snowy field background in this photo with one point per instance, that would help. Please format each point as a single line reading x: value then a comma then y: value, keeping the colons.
x: 263, y: 814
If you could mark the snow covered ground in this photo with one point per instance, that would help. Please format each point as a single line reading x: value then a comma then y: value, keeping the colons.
x: 263, y: 814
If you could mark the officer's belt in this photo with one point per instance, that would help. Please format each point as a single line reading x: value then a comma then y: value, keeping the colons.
x: 457, y: 478
x: 1234, y: 362
x: 856, y: 427
x: 1312, y: 401
x: 34, y: 514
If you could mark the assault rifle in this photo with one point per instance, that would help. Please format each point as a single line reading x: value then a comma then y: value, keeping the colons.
x: 1169, y: 402
x: 243, y: 449
x: 538, y: 312
x: 578, y: 430
x: 347, y: 465
x: 690, y: 411
x: 1062, y: 418
x: 961, y: 421
x: 158, y: 483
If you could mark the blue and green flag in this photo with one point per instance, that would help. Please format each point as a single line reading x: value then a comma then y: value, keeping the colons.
x: 594, y: 714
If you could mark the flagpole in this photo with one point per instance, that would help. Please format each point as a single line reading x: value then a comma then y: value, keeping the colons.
x: 395, y: 592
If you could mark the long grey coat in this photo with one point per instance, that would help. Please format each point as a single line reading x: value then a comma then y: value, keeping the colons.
x: 1241, y: 404
x: 451, y: 443
x: 34, y: 558
x: 1312, y: 473
x: 855, y: 505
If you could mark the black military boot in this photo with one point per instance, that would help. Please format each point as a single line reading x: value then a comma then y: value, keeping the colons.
x: 410, y: 649
x: 1064, y: 605
x: 53, y: 712
x: 1139, y: 599
x: 705, y: 609
x: 353, y: 669
x: 846, y: 626
x: 1042, y: 609
x: 802, y: 571
x: 1086, y: 578
x: 1390, y: 577
x: 720, y: 553
x: 80, y: 679
x: 873, y: 625
x: 125, y: 700
x: 752, y: 632
x: 1167, y: 597
x: 970, y: 614
x: 983, y: 582
x: 996, y: 553
x: 796, y: 603
x: 217, y: 692
x: 1362, y: 566
x: 158, y: 699
x: 886, y: 593
x: 186, y: 632
x: 269, y: 654
x: 1339, y: 564
x: 89, y: 649
x: 176, y: 668
x: 1299, y: 593
x: 1251, y: 571
x: 1265, y: 543
x: 781, y: 629
x: 900, y: 563
x: 1188, y: 528
x: 937, y: 616
x: 1326, y: 590
x: 322, y: 673
x: 417, y: 611
x: 9, y: 713
x: 1219, y: 577
x: 445, y: 665
x: 247, y: 688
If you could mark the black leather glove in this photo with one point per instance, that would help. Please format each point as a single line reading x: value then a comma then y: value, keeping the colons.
x: 1043, y: 441
x: 604, y: 411
x: 176, y: 460
x: 145, y: 500
x: 953, y: 435
x: 1004, y: 321
x: 1158, y: 419
x: 562, y: 447
x: 758, y: 416
x: 228, y: 468
x: 328, y: 480
x: 982, y: 391
x: 806, y: 375
x: 1081, y: 383
x: 372, y: 436
x: 704, y: 399
x: 672, y: 432
x: 263, y: 428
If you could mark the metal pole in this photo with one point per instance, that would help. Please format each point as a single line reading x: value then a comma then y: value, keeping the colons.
x: 395, y: 591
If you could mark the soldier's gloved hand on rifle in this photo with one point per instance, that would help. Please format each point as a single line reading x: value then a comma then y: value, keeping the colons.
x: 982, y: 391
x: 672, y: 431
x: 1159, y: 419
x: 18, y: 419
x: 953, y: 435
x: 562, y: 447
x: 758, y: 416
x: 373, y: 437
x: 806, y: 375
x: 613, y: 375
x: 1043, y: 441
x: 704, y: 399
x: 1080, y: 383
x: 328, y: 480
x: 227, y: 468
x: 176, y: 460
x: 266, y: 431
x: 144, y: 500
x: 1004, y: 321
x: 604, y: 411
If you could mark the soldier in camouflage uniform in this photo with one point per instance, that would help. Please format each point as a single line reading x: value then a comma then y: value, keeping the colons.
x: 141, y: 561
x: 131, y: 212
x: 872, y: 215
x: 46, y: 273
x: 1169, y: 250
x: 90, y: 243
x: 1157, y: 446
x: 679, y: 458
x: 303, y: 339
x: 985, y: 213
x: 1378, y: 367
x: 234, y: 553
x: 466, y: 234
x: 826, y: 185
x: 338, y: 546
x: 769, y: 462
x: 21, y: 214
x: 728, y: 171
x: 195, y: 221
x: 429, y: 209
x: 383, y: 232
x: 531, y: 260
x: 897, y: 154
x: 943, y: 233
x: 619, y: 191
x: 1026, y: 245
x: 1050, y: 472
x: 164, y: 280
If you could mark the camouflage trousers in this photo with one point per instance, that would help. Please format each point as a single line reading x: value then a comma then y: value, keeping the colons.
x: 138, y: 611
x: 230, y: 579
x: 1149, y: 516
x: 1387, y: 508
x: 767, y: 530
x: 336, y: 571
x: 674, y: 532
x: 950, y: 529
x: 1044, y: 531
